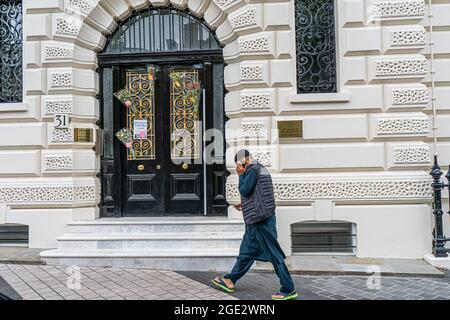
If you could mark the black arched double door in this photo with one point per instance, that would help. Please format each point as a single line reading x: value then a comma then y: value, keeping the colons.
x: 176, y: 96
x: 162, y: 171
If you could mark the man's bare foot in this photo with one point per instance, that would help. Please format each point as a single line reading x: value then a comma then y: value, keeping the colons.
x: 285, y: 296
x: 228, y: 282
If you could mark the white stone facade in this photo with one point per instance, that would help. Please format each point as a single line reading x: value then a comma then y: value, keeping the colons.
x: 366, y: 150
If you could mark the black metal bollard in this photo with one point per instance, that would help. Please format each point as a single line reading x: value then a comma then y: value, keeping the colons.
x: 439, y: 239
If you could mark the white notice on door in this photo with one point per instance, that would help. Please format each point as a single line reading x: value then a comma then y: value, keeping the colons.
x: 140, y: 129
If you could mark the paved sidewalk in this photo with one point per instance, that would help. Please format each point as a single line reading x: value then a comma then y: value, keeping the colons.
x: 303, y: 264
x: 259, y: 286
x: 31, y: 282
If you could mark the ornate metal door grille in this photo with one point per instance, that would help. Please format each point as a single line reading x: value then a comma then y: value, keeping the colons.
x: 11, y: 51
x: 142, y: 91
x: 184, y: 114
x: 316, y: 46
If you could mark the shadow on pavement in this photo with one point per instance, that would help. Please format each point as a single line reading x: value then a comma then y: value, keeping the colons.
x: 7, y: 292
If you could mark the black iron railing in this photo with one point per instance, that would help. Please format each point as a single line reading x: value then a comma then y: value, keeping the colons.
x: 439, y: 239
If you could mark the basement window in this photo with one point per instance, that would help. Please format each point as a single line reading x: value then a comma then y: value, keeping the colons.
x: 13, y: 234
x: 335, y: 237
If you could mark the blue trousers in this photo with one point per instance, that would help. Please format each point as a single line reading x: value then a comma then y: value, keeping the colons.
x: 260, y: 243
x: 244, y: 264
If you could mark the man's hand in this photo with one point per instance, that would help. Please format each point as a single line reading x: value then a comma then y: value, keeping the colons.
x: 238, y: 207
x: 239, y: 168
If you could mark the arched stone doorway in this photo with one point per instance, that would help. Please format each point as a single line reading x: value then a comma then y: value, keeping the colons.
x: 171, y: 66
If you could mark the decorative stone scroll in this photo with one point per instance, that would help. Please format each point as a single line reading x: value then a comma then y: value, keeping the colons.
x: 411, y: 96
x: 58, y: 162
x: 400, y: 8
x: 58, y: 105
x: 407, y: 38
x: 265, y: 158
x: 245, y: 19
x: 413, y: 154
x: 62, y: 135
x: 260, y: 44
x: 82, y: 6
x: 61, y: 80
x: 401, y: 67
x: 65, y: 27
x: 347, y: 190
x: 403, y: 126
x: 52, y: 52
x: 256, y: 101
x: 48, y: 193
x: 253, y: 130
x: 251, y: 73
x: 224, y: 3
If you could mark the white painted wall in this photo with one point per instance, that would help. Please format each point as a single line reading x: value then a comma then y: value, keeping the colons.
x: 383, y: 231
x: 366, y: 149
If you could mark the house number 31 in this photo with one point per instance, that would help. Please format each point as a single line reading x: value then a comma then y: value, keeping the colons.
x: 61, y: 121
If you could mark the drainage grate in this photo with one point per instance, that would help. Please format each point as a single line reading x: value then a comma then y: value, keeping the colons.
x: 323, y: 237
x: 13, y: 234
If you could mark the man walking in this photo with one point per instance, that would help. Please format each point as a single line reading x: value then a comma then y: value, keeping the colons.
x: 260, y: 238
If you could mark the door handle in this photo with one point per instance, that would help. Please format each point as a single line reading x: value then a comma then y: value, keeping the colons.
x: 158, y: 167
x: 141, y: 167
x: 185, y: 166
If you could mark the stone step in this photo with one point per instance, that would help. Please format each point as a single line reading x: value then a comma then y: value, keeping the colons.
x: 161, y: 259
x: 155, y: 226
x: 170, y: 243
x: 190, y: 240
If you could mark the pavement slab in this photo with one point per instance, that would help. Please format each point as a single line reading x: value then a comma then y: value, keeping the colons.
x: 318, y: 264
x: 8, y: 290
x: 259, y: 286
x: 40, y: 282
x: 20, y: 255
x: 56, y: 283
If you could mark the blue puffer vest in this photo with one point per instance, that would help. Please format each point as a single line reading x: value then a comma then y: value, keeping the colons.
x: 260, y: 205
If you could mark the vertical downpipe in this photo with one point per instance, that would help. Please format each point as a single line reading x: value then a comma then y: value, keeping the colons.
x: 433, y: 106
x: 433, y: 98
x: 205, y: 202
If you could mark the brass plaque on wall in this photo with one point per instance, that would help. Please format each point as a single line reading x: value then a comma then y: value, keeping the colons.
x: 84, y: 135
x: 290, y: 129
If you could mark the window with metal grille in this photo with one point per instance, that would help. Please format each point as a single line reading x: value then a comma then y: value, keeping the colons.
x: 13, y: 234
x: 323, y: 237
x: 11, y: 83
x: 316, y: 46
x: 159, y: 30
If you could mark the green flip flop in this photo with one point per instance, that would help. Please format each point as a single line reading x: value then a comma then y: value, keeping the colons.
x: 286, y: 296
x: 222, y: 285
